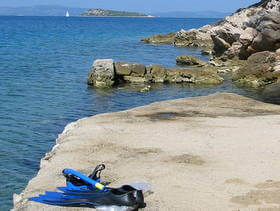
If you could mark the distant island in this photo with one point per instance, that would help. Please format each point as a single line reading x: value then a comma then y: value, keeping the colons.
x: 112, y: 13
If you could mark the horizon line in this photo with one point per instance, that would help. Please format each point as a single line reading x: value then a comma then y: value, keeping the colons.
x: 73, y: 7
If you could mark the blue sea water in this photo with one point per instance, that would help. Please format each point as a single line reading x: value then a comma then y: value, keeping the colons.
x: 44, y: 63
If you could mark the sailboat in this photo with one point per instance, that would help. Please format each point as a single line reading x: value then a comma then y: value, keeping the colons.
x: 67, y: 14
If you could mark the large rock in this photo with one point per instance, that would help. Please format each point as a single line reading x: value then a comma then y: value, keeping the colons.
x: 130, y: 72
x: 102, y: 74
x: 268, y: 37
x: 261, y: 69
x: 129, y: 68
x: 190, y: 60
x: 220, y: 45
x: 248, y: 35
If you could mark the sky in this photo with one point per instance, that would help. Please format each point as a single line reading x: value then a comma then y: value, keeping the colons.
x: 141, y: 5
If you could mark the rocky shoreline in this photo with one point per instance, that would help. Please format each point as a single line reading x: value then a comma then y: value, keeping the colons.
x: 194, y: 145
x: 246, y: 44
x: 243, y: 36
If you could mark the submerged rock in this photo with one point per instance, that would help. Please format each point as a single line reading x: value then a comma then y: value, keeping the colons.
x: 199, y: 76
x: 160, y: 39
x: 190, y: 60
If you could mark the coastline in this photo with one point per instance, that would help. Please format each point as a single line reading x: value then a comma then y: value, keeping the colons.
x: 194, y: 146
x: 114, y: 16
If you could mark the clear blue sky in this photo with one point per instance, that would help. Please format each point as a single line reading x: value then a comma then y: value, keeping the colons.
x: 141, y: 5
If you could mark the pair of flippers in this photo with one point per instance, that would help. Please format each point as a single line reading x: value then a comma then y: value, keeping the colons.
x: 87, y: 191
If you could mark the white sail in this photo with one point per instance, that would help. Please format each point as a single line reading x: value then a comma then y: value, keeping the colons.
x: 67, y: 14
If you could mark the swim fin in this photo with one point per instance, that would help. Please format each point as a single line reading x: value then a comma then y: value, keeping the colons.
x: 108, y: 198
x: 138, y: 194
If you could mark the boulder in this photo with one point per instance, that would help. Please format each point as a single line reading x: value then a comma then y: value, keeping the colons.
x: 227, y: 34
x: 129, y: 68
x: 220, y: 45
x: 248, y: 36
x: 268, y: 28
x: 233, y: 51
x: 102, y: 74
x: 260, y: 69
x: 122, y: 68
x: 190, y: 60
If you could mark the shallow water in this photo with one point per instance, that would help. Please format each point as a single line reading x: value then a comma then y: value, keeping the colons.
x: 44, y: 63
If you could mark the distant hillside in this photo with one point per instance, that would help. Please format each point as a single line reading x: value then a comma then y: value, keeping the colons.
x: 185, y: 14
x: 41, y: 10
x: 112, y: 13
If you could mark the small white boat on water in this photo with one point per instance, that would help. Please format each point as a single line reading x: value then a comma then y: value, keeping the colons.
x: 67, y: 14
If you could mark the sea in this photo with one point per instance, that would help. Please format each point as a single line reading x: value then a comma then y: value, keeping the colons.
x: 44, y: 63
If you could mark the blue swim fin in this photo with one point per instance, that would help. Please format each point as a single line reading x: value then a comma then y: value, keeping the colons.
x: 109, y: 198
